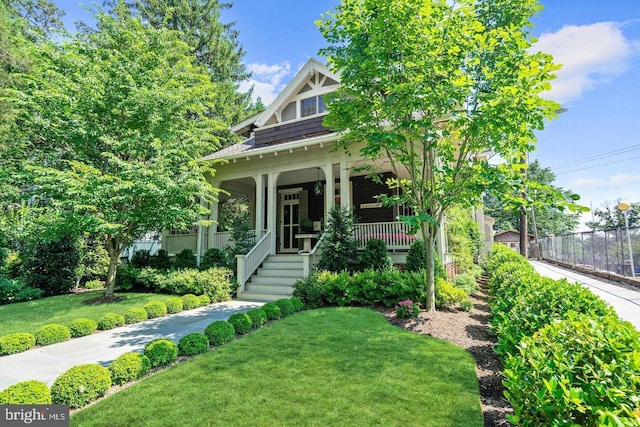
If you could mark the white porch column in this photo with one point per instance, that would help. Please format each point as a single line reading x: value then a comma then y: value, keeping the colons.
x: 345, y: 185
x: 272, y: 197
x: 329, y: 191
x: 259, y: 210
x: 213, y: 228
x: 199, y: 239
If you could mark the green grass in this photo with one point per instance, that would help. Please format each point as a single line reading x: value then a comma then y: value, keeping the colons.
x: 327, y: 367
x: 29, y: 316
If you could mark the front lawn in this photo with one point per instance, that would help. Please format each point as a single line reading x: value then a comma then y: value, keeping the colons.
x: 29, y: 316
x: 326, y: 367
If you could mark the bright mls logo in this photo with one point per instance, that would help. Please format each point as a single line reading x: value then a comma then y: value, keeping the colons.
x: 34, y: 415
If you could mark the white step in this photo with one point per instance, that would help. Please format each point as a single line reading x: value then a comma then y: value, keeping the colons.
x: 276, y: 281
x: 257, y: 296
x: 269, y: 264
x: 262, y: 272
x: 285, y: 258
x: 269, y: 289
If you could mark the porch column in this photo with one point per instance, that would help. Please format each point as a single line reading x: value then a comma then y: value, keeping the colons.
x: 259, y: 210
x: 213, y: 216
x: 345, y: 185
x: 199, y: 240
x: 329, y: 191
x: 272, y: 196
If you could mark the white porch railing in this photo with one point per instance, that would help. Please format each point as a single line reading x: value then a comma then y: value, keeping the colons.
x: 309, y: 259
x: 222, y: 239
x: 397, y: 235
x: 250, y: 262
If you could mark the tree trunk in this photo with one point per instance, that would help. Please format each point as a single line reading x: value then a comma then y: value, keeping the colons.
x: 429, y: 242
x: 114, y: 259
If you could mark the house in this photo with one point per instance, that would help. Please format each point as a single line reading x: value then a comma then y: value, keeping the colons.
x: 511, y: 239
x: 289, y: 170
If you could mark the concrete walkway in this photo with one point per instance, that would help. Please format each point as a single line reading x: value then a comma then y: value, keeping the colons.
x: 47, y: 363
x: 624, y: 300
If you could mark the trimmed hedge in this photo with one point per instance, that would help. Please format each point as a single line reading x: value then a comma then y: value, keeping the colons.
x: 241, y: 323
x: 258, y: 317
x: 155, y: 309
x: 110, y: 321
x: 204, y: 299
x: 135, y: 315
x: 129, y: 367
x: 26, y: 393
x: 272, y: 310
x: 174, y: 305
x: 286, y: 307
x: 190, y: 301
x: 161, y: 352
x: 52, y: 334
x: 220, y: 332
x: 81, y: 385
x: 16, y: 343
x: 82, y: 327
x: 192, y: 344
x: 298, y: 305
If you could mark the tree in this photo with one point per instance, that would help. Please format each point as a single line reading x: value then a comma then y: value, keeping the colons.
x: 431, y: 85
x: 610, y: 217
x: 338, y: 249
x: 120, y: 111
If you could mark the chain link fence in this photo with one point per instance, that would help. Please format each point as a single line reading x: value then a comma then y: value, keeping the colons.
x: 606, y: 250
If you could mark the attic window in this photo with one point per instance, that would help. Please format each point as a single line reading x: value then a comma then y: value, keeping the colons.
x: 309, y: 106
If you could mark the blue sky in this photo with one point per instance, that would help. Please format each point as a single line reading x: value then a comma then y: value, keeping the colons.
x: 594, y: 148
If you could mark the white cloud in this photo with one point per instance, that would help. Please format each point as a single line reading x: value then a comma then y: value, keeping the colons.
x: 590, y: 55
x: 267, y: 80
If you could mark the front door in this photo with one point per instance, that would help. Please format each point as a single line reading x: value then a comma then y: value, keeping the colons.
x: 289, y: 222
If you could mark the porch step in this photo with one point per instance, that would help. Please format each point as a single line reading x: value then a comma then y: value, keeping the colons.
x: 279, y: 265
x: 274, y: 279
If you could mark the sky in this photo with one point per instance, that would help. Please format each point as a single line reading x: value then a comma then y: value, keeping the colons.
x: 593, y: 148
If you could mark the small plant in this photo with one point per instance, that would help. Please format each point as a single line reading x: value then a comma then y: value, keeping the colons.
x: 447, y: 295
x: 51, y: 334
x: 286, y: 307
x: 155, y: 309
x: 241, y: 323
x: 376, y: 256
x: 297, y: 304
x: 466, y: 282
x: 190, y: 301
x: 407, y: 309
x: 174, y: 305
x: 220, y: 332
x: 82, y: 327
x: 204, y: 300
x: 110, y: 321
x: 80, y: 385
x: 135, y: 315
x: 129, y: 367
x: 466, y: 305
x: 193, y: 344
x: 258, y: 317
x: 16, y: 343
x: 94, y: 284
x: 161, y: 352
x: 26, y: 393
x: 272, y: 310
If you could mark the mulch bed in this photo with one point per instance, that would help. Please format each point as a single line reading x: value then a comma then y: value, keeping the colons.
x: 469, y: 330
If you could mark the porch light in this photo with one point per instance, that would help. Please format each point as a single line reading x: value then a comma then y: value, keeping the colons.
x: 317, y: 188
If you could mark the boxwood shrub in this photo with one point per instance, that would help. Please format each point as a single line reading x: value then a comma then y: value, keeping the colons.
x: 51, y: 334
x: 286, y: 307
x: 161, y: 352
x: 82, y: 327
x: 129, y: 367
x: 155, y: 309
x: 80, y: 385
x: 16, y: 343
x: 135, y: 315
x: 258, y: 317
x: 297, y: 304
x: 272, y: 310
x: 174, y: 305
x: 190, y: 301
x: 110, y: 321
x: 192, y: 344
x: 241, y: 323
x: 220, y: 332
x: 204, y: 299
x: 26, y: 393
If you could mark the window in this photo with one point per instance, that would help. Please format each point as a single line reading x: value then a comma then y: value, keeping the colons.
x: 308, y: 106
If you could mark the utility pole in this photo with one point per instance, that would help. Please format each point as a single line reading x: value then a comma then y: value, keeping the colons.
x: 523, y: 210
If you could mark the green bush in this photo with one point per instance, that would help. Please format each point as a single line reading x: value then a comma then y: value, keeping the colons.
x: 466, y: 282
x: 174, y: 305
x: 80, y: 385
x: 161, y: 352
x: 110, y: 321
x: 155, y: 309
x: 297, y: 304
x: 141, y: 259
x: 82, y: 327
x: 135, y: 315
x: 129, y: 367
x: 192, y: 344
x: 286, y: 307
x: 15, y: 291
x: 375, y: 256
x: 272, y: 311
x: 185, y: 259
x: 16, y: 343
x: 310, y: 290
x: 51, y: 334
x: 258, y: 317
x: 417, y: 260
x: 26, y: 393
x: 94, y: 284
x: 339, y: 251
x: 214, y: 282
x: 583, y: 371
x: 161, y: 260
x: 214, y: 258
x: 190, y: 301
x: 241, y: 322
x: 220, y: 332
x: 407, y: 309
x: 448, y: 295
x: 204, y: 300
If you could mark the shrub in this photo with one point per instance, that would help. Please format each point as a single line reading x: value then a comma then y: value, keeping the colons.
x: 417, y: 260
x: 214, y: 282
x: 190, y: 301
x: 161, y: 352
x: 135, y: 315
x: 193, y: 344
x: 310, y: 290
x: 407, y: 309
x: 129, y: 367
x: 82, y: 327
x: 258, y: 317
x: 141, y: 259
x: 214, y: 257
x: 26, y: 393
x: 110, y: 321
x: 272, y: 311
x: 80, y: 385
x: 14, y: 291
x: 580, y: 371
x: 241, y: 323
x: 204, y: 300
x: 375, y: 256
x: 220, y: 332
x: 174, y: 305
x: 94, y: 284
x: 16, y: 343
x: 286, y: 307
x: 185, y: 259
x: 466, y: 282
x: 160, y: 260
x: 297, y: 304
x: 51, y: 334
x: 339, y: 251
x: 447, y: 294
x: 155, y: 309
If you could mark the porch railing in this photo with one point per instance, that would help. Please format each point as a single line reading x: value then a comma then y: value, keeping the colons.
x: 396, y: 235
x: 222, y: 239
x: 310, y: 258
x: 250, y: 262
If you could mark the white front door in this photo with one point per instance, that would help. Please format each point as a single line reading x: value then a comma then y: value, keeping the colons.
x: 289, y: 221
